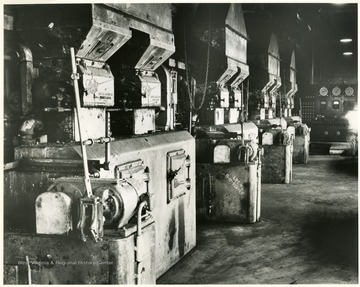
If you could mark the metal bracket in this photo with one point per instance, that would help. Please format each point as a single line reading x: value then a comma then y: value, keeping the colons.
x: 91, y: 222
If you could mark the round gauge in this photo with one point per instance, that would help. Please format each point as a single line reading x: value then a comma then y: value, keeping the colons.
x: 336, y: 91
x: 349, y: 91
x: 323, y: 91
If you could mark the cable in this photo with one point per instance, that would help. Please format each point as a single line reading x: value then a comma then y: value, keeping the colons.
x: 192, y: 104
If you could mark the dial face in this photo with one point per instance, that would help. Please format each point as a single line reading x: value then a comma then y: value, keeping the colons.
x: 323, y: 91
x: 336, y: 91
x: 349, y: 91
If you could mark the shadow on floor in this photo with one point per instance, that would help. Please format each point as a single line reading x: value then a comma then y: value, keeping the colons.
x: 348, y: 165
x: 334, y: 240
x: 319, y: 149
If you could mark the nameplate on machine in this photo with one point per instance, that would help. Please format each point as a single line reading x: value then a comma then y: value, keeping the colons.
x: 150, y: 89
x: 98, y: 84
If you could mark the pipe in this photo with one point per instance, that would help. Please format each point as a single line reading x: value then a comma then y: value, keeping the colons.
x: 247, y: 100
x: 11, y: 165
x: 168, y: 99
x: 252, y: 193
x: 264, y: 93
x: 258, y: 185
x: 312, y: 75
x: 8, y: 58
x: 58, y: 109
x: 138, y: 247
x: 107, y: 141
x: 291, y: 156
x: 26, y: 78
x: 174, y: 98
x: 119, y: 110
x: 28, y: 270
x: 287, y: 163
x: 268, y: 85
x: 139, y: 217
x: 254, y: 148
x: 192, y: 89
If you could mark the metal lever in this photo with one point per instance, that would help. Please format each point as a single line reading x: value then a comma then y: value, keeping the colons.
x: 91, y: 213
x: 173, y: 173
x: 75, y: 77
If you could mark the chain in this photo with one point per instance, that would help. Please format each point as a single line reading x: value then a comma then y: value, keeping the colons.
x: 192, y: 104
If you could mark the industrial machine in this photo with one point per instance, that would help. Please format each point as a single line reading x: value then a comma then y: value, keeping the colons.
x: 302, y: 131
x: 101, y: 191
x: 228, y: 167
x: 274, y: 135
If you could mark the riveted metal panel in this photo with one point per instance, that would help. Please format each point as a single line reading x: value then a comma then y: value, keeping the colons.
x: 276, y: 164
x: 223, y: 192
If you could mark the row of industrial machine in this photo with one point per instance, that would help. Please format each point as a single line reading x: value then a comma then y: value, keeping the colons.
x: 115, y: 144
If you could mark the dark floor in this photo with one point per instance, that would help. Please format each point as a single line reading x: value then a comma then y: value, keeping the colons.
x: 308, y: 234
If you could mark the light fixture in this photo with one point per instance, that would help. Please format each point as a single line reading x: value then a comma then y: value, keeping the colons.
x: 347, y: 53
x: 346, y: 40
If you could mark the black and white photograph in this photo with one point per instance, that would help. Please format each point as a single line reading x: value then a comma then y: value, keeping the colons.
x: 158, y: 143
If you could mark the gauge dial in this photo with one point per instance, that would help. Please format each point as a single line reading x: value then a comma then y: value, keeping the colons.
x: 323, y: 91
x: 349, y: 91
x: 336, y: 91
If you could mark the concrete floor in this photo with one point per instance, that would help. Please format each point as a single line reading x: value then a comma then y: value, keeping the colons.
x: 308, y: 234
